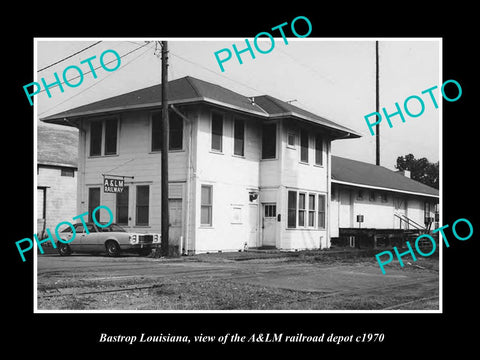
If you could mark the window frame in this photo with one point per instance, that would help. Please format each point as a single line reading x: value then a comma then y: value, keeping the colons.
x: 304, y: 148
x: 302, y: 211
x: 208, y: 206
x: 115, y: 133
x: 156, y: 134
x: 138, y: 206
x: 274, y: 146
x: 312, y: 211
x: 172, y: 115
x: 235, y: 139
x: 222, y: 116
x: 318, y: 209
x: 292, y: 207
x: 318, y: 156
x: 322, y: 212
x: 294, y: 136
x: 102, y: 137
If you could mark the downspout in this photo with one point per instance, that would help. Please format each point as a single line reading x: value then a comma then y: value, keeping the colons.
x: 184, y: 242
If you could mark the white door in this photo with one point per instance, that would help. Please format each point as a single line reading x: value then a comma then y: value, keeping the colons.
x: 269, y: 219
x: 253, y: 225
x: 175, y: 223
x: 345, y: 209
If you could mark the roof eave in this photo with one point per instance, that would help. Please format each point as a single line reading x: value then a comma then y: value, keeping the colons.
x: 62, y: 119
x: 383, y: 188
x: 345, y: 133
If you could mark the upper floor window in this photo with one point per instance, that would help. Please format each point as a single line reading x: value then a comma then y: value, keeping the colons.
x: 239, y: 137
x: 291, y: 140
x: 304, y: 146
x: 217, y: 132
x: 175, y: 136
x: 111, y: 136
x: 96, y: 138
x: 269, y: 141
x: 108, y: 137
x: 318, y: 150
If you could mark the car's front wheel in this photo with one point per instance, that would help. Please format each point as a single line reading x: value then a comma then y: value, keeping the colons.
x: 112, y: 248
x: 64, y: 249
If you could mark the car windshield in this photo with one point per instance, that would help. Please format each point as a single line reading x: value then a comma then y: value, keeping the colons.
x: 112, y: 228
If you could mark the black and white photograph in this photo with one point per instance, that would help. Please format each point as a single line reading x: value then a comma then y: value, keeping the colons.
x: 277, y: 195
x: 296, y: 179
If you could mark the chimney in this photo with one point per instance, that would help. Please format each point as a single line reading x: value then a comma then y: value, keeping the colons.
x: 405, y: 173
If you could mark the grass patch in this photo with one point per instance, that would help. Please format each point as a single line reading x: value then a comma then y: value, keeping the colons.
x: 227, y: 295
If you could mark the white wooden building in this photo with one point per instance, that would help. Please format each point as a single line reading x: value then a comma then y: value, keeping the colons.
x: 56, y: 176
x: 384, y: 199
x: 243, y: 172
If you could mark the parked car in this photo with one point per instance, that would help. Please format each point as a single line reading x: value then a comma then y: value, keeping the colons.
x: 112, y: 239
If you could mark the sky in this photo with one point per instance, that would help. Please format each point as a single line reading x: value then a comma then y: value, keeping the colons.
x: 333, y: 78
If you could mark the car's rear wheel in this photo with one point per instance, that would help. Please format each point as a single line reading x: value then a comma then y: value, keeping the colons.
x: 112, y: 248
x: 64, y: 249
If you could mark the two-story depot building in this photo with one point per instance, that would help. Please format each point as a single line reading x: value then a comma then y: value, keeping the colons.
x: 243, y: 172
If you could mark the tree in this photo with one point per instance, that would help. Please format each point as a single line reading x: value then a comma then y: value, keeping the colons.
x: 420, y: 169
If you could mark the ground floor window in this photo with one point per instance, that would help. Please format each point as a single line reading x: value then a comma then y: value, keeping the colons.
x: 292, y: 210
x: 305, y: 210
x: 321, y: 211
x: 142, y: 205
x: 206, y: 205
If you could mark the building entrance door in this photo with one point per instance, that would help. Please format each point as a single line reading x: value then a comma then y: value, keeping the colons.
x: 269, y: 219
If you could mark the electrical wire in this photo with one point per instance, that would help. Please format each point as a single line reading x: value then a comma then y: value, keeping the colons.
x: 68, y: 57
x: 95, y: 83
x: 98, y: 67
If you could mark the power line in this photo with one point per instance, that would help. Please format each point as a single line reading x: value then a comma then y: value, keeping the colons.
x: 95, y: 83
x: 68, y: 57
x: 98, y: 67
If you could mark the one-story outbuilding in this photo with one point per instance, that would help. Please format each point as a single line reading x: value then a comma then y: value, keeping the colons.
x: 56, y: 175
x: 380, y: 198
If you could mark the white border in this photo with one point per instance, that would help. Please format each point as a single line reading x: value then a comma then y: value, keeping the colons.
x: 35, y: 111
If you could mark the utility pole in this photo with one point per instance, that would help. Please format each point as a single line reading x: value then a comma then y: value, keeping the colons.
x: 377, y: 137
x: 165, y: 133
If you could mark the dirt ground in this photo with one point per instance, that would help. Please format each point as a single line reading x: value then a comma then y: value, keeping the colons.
x: 310, y: 280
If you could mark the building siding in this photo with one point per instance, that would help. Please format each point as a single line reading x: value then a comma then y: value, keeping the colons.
x: 60, y: 195
x: 378, y: 214
x: 232, y: 177
x: 134, y: 158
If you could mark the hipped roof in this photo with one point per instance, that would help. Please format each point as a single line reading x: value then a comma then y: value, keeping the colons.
x: 358, y: 173
x: 190, y: 90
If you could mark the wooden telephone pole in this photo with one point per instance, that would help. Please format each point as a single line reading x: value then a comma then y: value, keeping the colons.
x: 165, y: 133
